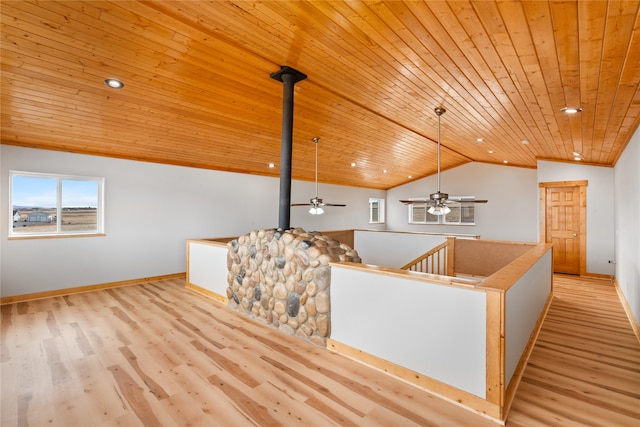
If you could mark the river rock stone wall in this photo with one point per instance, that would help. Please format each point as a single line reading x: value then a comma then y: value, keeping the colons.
x: 283, y: 278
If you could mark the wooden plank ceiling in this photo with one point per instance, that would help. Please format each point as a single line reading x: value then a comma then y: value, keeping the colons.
x: 198, y: 90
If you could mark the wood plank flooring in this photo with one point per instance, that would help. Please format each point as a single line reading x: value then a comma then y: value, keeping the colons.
x: 157, y: 354
x: 585, y: 367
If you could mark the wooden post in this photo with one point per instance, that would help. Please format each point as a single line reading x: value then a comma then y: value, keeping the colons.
x: 451, y: 245
x: 496, y: 351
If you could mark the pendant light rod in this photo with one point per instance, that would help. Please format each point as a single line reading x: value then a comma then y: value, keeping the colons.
x: 439, y: 111
x: 316, y: 140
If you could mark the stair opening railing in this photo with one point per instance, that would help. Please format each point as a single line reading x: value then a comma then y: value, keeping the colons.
x: 438, y: 260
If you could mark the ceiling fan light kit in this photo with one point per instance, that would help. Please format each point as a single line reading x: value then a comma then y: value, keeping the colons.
x: 439, y: 210
x: 316, y: 208
x: 316, y: 211
x: 438, y: 200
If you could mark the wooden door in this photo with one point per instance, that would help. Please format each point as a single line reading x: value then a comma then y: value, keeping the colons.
x: 563, y: 222
x: 563, y: 227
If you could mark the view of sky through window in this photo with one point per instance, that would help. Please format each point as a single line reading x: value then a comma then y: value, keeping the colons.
x: 41, y: 192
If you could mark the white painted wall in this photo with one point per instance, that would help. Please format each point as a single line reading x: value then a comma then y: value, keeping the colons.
x: 600, y: 208
x: 627, y: 223
x: 410, y: 323
x: 510, y: 214
x: 150, y: 212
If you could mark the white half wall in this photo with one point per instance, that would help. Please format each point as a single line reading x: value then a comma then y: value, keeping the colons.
x: 411, y: 323
x: 627, y: 224
x: 207, y: 267
x: 151, y: 210
x: 525, y: 301
x: 510, y: 214
x: 600, y: 208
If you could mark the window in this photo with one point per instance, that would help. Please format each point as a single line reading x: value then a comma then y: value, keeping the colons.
x: 418, y: 214
x: 462, y: 213
x: 53, y: 205
x: 376, y: 211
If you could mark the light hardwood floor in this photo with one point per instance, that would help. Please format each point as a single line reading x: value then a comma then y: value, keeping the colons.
x: 157, y: 354
x: 585, y: 367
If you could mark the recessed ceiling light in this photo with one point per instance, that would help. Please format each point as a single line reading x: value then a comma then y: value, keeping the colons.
x: 505, y: 161
x: 353, y: 164
x: 272, y: 165
x: 578, y: 158
x: 479, y: 139
x: 525, y: 141
x: 114, y: 83
x: 384, y: 171
x: 575, y: 153
x: 490, y: 151
x: 571, y: 110
x: 409, y: 177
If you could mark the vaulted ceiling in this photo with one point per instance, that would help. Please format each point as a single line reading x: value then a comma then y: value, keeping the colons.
x: 198, y: 90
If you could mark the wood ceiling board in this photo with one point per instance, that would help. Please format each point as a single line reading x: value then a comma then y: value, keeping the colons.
x: 198, y: 92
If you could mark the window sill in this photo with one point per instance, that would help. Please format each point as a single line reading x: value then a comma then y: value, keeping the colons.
x: 56, y: 236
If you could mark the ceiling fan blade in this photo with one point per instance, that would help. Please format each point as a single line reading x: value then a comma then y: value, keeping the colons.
x: 465, y: 201
x: 333, y: 204
x: 416, y: 202
x: 301, y: 204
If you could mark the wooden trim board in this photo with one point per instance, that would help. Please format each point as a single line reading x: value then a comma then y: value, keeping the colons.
x: 495, y: 349
x: 88, y: 288
x: 445, y: 391
x: 207, y: 293
x: 627, y: 309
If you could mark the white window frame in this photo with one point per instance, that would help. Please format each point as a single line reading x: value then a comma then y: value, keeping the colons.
x: 99, y: 230
x: 421, y: 210
x: 380, y: 211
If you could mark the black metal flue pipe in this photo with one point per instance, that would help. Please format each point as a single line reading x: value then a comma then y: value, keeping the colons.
x: 289, y: 77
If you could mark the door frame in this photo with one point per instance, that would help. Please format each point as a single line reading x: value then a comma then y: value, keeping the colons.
x: 582, y: 184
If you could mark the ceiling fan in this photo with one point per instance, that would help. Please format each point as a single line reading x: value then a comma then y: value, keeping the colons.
x: 316, y: 203
x: 438, y: 201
